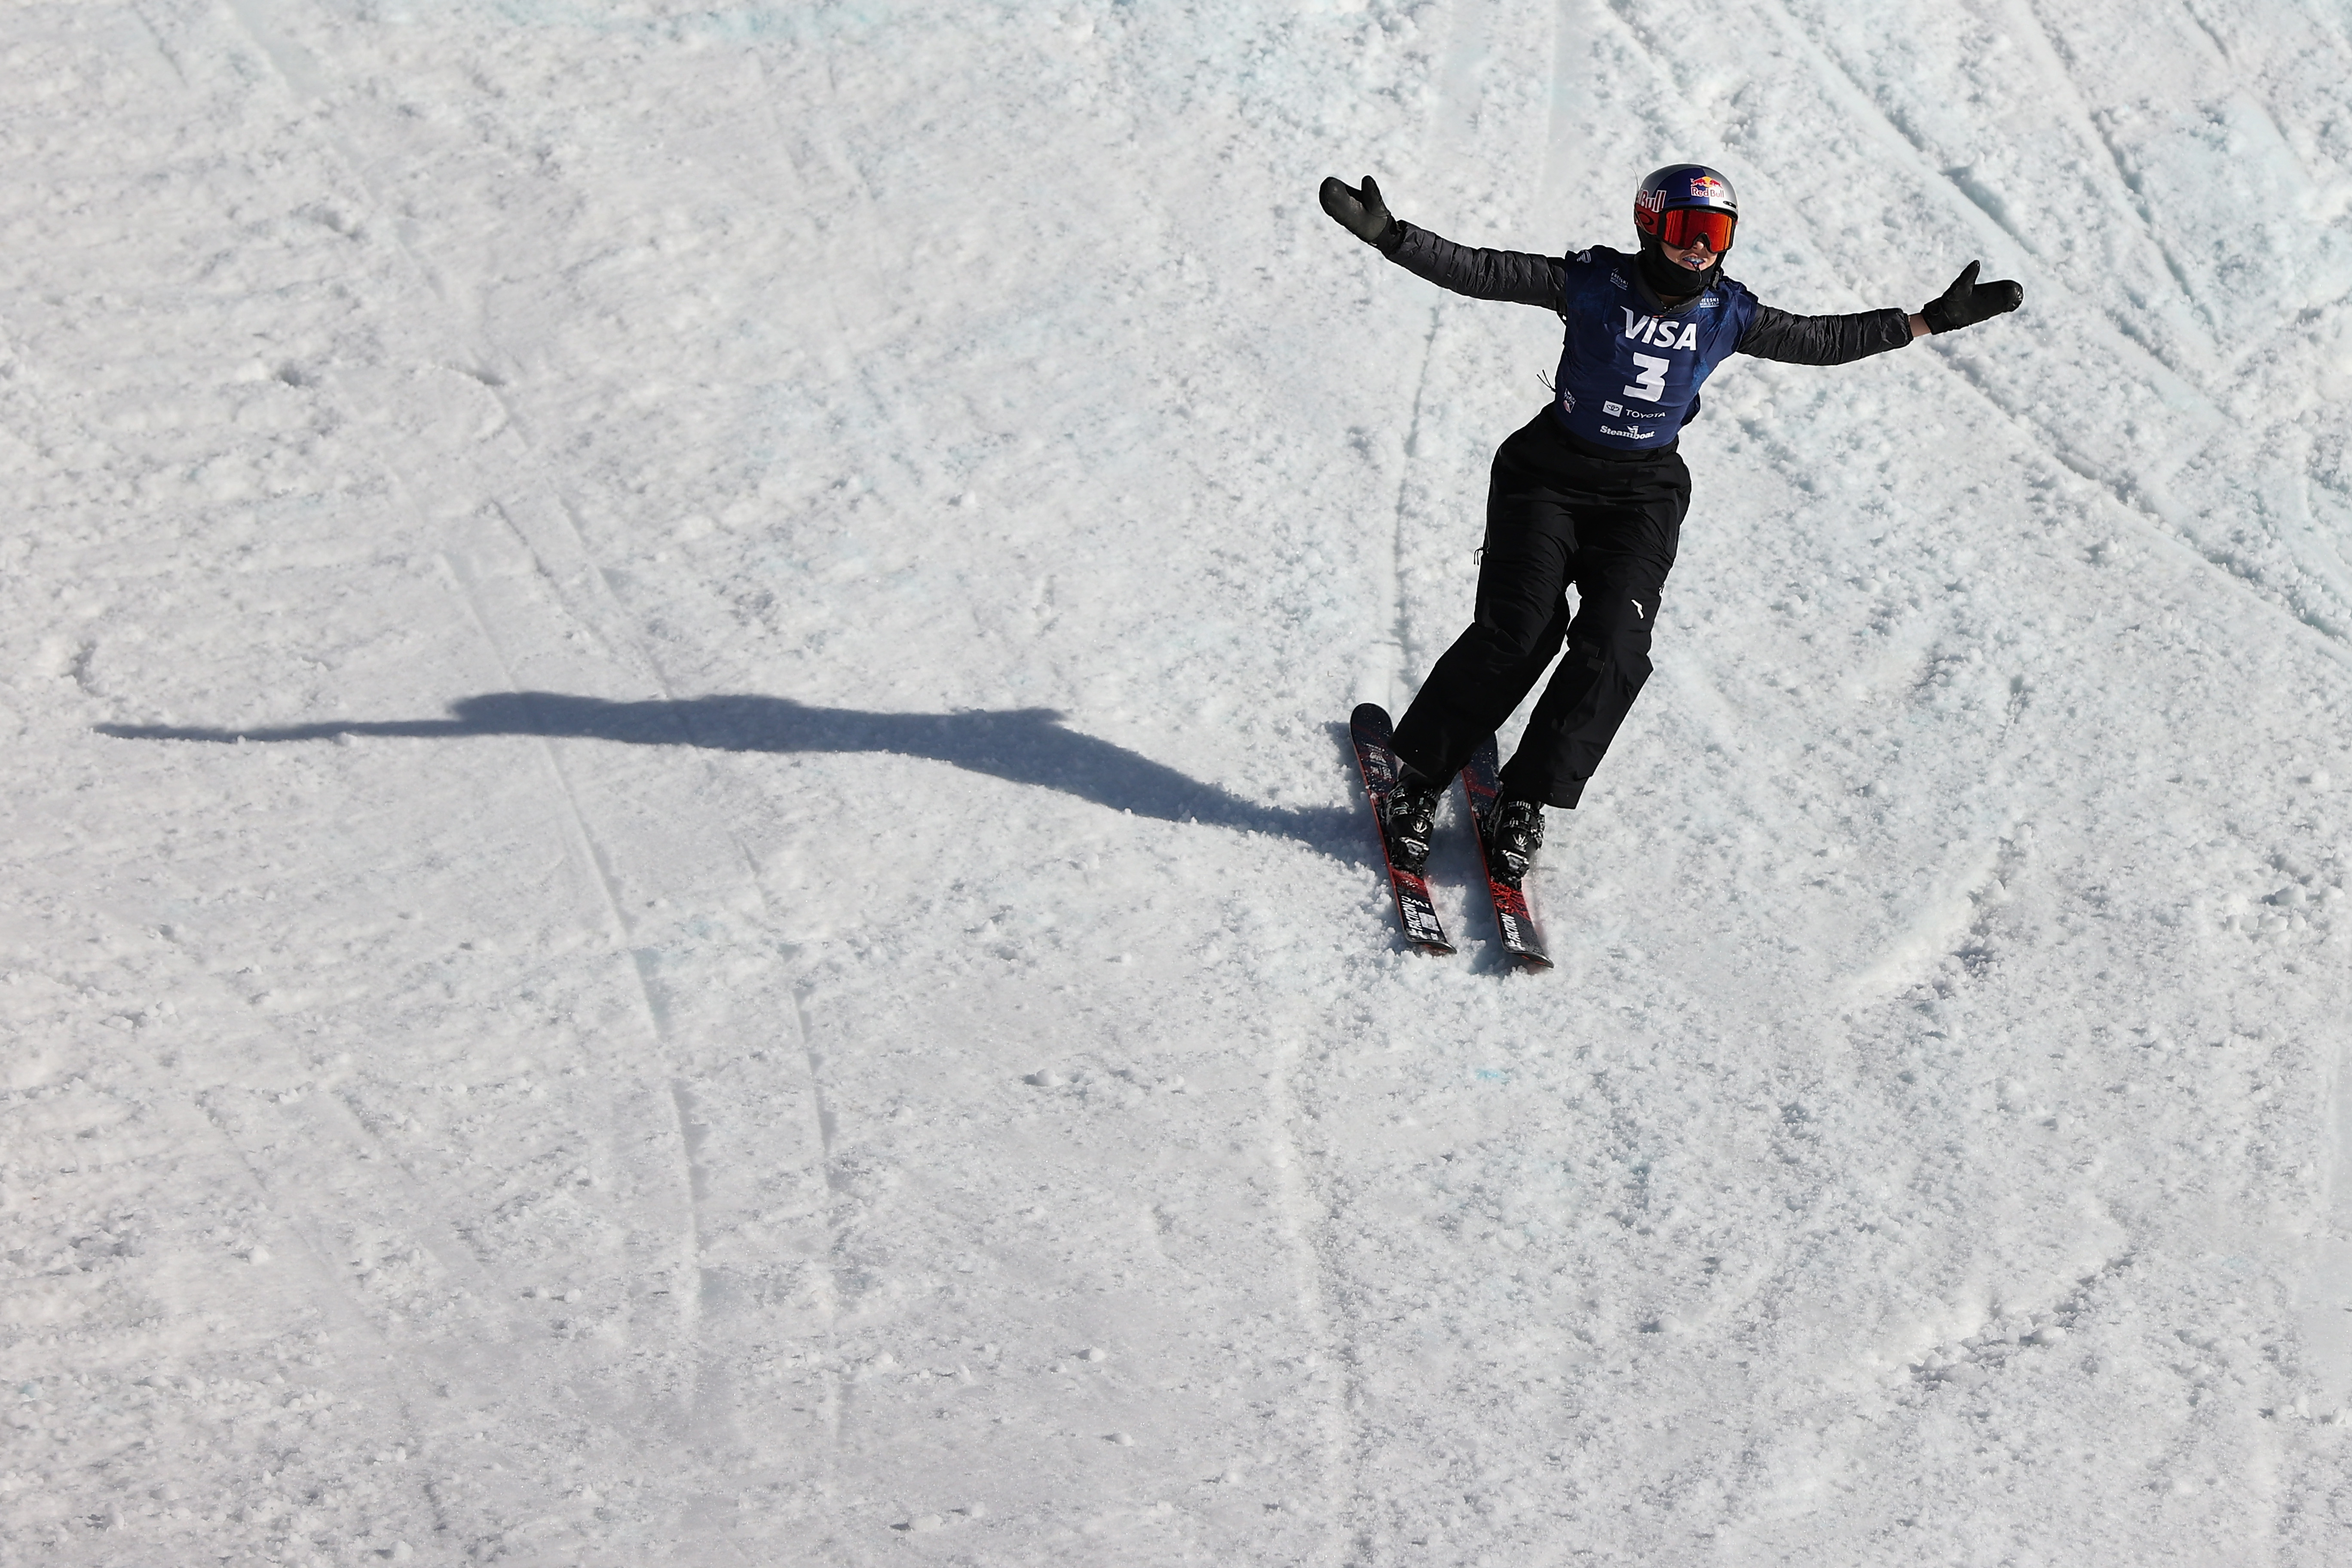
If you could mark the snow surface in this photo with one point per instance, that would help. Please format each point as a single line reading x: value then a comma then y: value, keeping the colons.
x: 787, y: 970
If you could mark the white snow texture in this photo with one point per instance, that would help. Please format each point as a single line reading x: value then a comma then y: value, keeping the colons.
x: 681, y: 884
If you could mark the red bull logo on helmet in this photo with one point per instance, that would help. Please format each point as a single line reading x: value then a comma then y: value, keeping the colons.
x: 1708, y: 189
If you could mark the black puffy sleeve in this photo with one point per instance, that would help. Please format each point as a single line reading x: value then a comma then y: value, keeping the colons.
x: 1513, y: 275
x: 1823, y: 340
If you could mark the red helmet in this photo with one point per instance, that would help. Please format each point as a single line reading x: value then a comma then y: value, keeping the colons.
x: 1683, y: 203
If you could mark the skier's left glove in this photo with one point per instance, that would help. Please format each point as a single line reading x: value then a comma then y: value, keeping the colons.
x: 1360, y: 213
x: 1968, y: 301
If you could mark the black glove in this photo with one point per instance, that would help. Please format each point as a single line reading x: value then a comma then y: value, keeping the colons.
x: 1968, y: 301
x: 1360, y: 213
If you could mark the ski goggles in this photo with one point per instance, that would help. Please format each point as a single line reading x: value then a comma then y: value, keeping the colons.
x: 1687, y: 225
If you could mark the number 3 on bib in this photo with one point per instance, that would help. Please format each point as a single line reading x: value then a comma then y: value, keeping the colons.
x: 1652, y: 385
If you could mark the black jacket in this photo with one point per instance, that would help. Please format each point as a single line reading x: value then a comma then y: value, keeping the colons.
x: 1528, y: 279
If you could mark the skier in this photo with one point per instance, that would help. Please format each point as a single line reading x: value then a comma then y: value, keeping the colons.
x: 1591, y: 491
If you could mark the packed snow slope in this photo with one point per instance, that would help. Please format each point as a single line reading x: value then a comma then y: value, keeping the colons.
x: 682, y: 888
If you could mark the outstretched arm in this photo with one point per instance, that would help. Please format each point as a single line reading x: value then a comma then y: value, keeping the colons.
x: 1835, y: 340
x: 1823, y: 340
x: 1513, y: 275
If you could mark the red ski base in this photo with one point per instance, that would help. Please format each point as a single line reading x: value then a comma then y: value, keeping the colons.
x: 1513, y: 922
x: 1369, y: 728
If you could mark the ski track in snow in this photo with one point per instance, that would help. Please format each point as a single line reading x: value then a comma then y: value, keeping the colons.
x: 682, y: 889
x: 303, y: 80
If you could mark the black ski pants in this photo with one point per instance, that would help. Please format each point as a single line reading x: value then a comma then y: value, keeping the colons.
x: 1556, y: 514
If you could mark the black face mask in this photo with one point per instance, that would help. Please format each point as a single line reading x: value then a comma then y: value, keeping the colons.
x: 1668, y: 281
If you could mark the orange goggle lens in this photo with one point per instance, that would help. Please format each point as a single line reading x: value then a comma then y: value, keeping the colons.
x: 1688, y: 225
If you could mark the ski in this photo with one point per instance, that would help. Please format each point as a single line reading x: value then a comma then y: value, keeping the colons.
x: 1369, y: 728
x: 1517, y: 923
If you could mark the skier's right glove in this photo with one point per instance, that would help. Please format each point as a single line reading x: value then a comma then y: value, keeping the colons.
x: 1968, y: 301
x: 1360, y: 213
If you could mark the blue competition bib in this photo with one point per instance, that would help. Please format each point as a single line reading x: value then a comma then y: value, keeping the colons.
x: 1629, y: 377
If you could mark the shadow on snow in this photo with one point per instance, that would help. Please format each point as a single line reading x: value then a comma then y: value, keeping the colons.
x: 1025, y: 745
